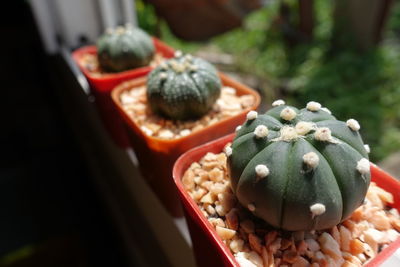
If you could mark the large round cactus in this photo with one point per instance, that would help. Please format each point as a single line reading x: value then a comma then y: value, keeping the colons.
x: 184, y: 87
x: 124, y: 48
x: 299, y: 169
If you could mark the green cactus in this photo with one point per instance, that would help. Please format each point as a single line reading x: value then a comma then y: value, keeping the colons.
x: 184, y: 87
x: 124, y: 48
x: 299, y: 169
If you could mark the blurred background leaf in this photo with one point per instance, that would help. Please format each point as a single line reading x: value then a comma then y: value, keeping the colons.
x: 352, y: 83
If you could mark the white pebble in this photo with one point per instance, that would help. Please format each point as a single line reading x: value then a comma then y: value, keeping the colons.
x: 312, y: 245
x: 228, y: 151
x: 278, y: 102
x: 311, y: 159
x: 288, y: 114
x: 166, y: 134
x: 323, y: 134
x: 367, y: 148
x: 262, y: 170
x: 255, y: 258
x: 228, y: 90
x: 313, y: 106
x: 394, y: 212
x: 392, y: 235
x: 303, y: 127
x: 185, y: 132
x: 376, y: 235
x: 147, y: 131
x: 353, y: 124
x: 243, y: 261
x: 252, y: 115
x: 225, y: 233
x: 363, y: 166
x: 251, y: 207
x: 362, y: 257
x: 236, y: 245
x: 127, y: 99
x: 317, y: 209
x: 261, y: 131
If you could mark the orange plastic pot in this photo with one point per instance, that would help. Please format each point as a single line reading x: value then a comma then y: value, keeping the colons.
x: 208, y: 247
x: 102, y: 85
x: 157, y: 156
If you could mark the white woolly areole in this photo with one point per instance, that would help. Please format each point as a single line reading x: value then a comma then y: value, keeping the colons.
x: 317, y: 209
x: 367, y: 148
x: 163, y: 65
x: 228, y: 151
x: 304, y: 127
x: 323, y: 134
x: 311, y: 159
x: 238, y: 128
x: 120, y: 30
x: 288, y: 114
x: 313, y: 106
x: 109, y: 30
x: 178, y: 67
x: 262, y: 170
x: 178, y: 53
x: 240, y: 257
x: 163, y: 75
x: 287, y: 134
x: 261, y: 131
x: 188, y: 57
x: 193, y: 68
x: 252, y: 115
x: 278, y: 102
x: 363, y: 166
x: 251, y: 207
x: 326, y: 110
x: 353, y: 124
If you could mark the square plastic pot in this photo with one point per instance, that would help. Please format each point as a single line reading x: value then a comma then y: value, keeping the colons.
x: 157, y: 156
x: 102, y: 85
x: 208, y: 247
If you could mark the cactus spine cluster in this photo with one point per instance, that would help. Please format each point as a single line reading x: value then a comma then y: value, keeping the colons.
x: 184, y: 87
x: 124, y: 48
x: 299, y: 169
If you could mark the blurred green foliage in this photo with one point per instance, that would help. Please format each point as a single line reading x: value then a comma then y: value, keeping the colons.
x: 146, y: 16
x: 364, y: 86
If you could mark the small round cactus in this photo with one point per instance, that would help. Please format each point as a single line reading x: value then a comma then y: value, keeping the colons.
x: 299, y: 169
x: 124, y: 48
x: 183, y: 87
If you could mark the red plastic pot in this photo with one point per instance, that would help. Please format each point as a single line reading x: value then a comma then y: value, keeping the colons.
x: 102, y: 85
x: 157, y: 156
x: 208, y: 246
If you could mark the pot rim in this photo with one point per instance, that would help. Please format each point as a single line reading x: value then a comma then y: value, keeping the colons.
x: 160, y: 47
x: 118, y: 90
x: 216, y: 146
